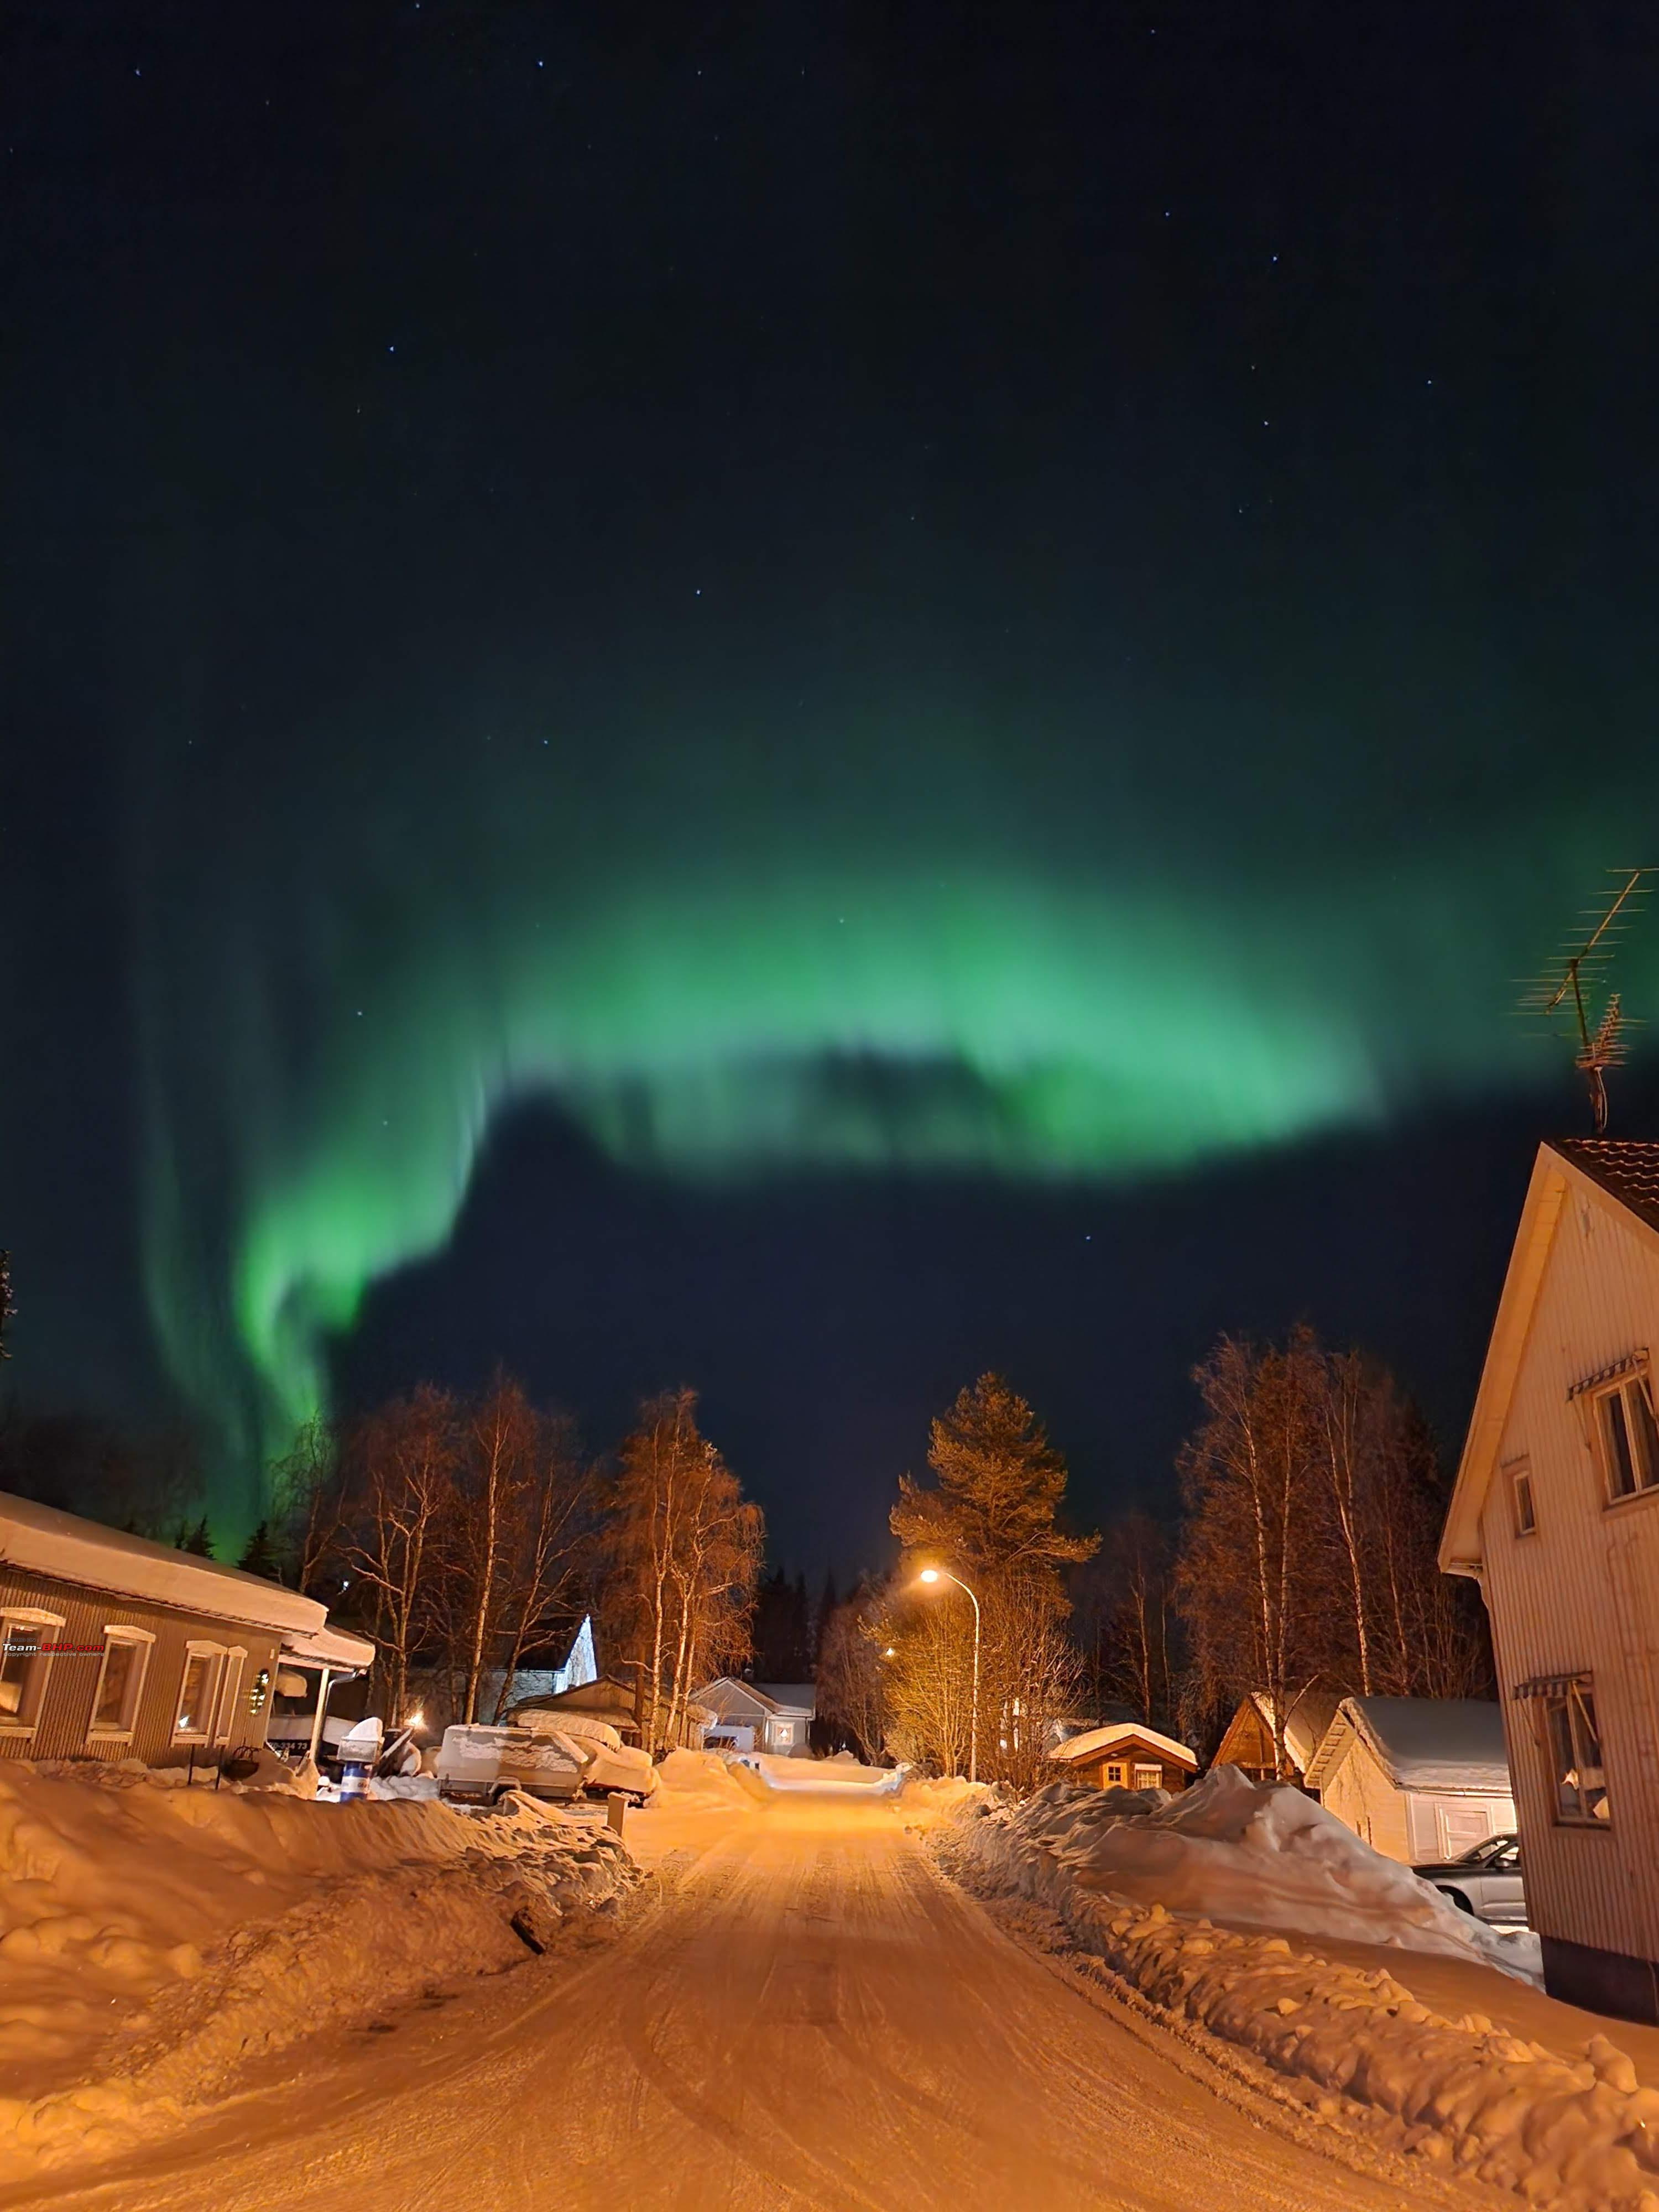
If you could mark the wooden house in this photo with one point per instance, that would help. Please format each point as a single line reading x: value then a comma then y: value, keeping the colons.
x: 1419, y: 1778
x: 1124, y: 1755
x: 1248, y: 1741
x: 112, y: 1647
x: 772, y: 1717
x: 1556, y: 1515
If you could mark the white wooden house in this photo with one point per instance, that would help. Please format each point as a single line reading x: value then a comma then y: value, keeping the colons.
x: 1419, y: 1778
x: 1556, y: 1515
x: 772, y: 1717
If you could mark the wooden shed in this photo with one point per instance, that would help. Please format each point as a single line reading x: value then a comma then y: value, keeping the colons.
x: 1126, y: 1755
x: 1248, y: 1742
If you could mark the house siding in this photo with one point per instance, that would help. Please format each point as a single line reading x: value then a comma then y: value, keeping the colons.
x: 1582, y: 1593
x: 72, y: 1681
x: 1358, y: 1792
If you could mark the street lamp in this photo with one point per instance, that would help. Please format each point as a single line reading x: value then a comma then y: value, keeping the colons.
x: 932, y: 1577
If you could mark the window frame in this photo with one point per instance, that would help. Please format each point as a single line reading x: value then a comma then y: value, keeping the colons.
x: 1575, y: 1705
x: 143, y: 1640
x: 1640, y: 1438
x: 199, y: 1648
x: 1139, y: 1769
x: 1523, y: 1498
x: 30, y: 1616
x: 232, y: 1671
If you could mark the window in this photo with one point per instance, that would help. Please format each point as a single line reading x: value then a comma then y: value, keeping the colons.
x: 120, y: 1682
x: 1574, y: 1742
x: 234, y: 1661
x: 1627, y: 1436
x: 198, y: 1692
x: 1149, y: 1777
x: 1115, y: 1772
x: 27, y: 1645
x: 1526, y: 1518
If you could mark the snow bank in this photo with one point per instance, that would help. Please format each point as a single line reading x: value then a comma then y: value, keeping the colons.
x: 701, y: 1781
x: 157, y: 1939
x: 1344, y: 2040
x: 1246, y: 1852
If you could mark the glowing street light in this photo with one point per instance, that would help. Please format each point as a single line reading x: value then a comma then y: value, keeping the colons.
x: 932, y: 1577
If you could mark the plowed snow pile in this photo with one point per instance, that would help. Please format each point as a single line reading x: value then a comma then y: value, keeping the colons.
x: 155, y: 1939
x: 1134, y: 1878
x: 1253, y: 1855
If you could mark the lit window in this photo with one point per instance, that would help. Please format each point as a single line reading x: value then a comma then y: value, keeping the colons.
x: 28, y: 1640
x: 1526, y: 1517
x: 120, y: 1682
x: 1149, y: 1777
x: 1627, y: 1436
x: 1575, y: 1750
x: 1115, y: 1771
x: 198, y: 1692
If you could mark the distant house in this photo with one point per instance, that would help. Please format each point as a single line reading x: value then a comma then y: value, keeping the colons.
x: 772, y: 1717
x: 1248, y: 1742
x: 112, y: 1647
x: 1556, y: 1515
x: 1418, y: 1778
x: 1124, y: 1755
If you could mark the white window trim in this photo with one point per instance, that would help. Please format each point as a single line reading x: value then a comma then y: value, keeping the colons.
x: 199, y: 1648
x: 1633, y: 1373
x: 118, y: 1631
x: 1519, y: 1471
x: 29, y: 1616
x: 230, y: 1689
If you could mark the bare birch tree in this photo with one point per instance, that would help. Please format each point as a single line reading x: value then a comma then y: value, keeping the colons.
x: 400, y: 1486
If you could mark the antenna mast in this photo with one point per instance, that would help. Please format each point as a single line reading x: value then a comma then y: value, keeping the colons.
x: 1580, y: 968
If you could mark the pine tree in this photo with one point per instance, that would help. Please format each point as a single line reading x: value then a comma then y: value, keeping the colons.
x: 7, y: 1308
x: 260, y: 1554
x: 197, y: 1539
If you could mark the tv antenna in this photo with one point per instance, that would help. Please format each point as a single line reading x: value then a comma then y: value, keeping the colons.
x: 1576, y: 978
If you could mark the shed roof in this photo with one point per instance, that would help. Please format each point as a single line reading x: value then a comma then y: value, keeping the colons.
x: 1099, y: 1743
x: 1453, y: 1745
x: 39, y: 1540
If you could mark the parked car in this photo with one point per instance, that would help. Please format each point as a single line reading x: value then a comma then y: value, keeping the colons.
x: 609, y: 1763
x: 1484, y: 1880
x: 477, y: 1765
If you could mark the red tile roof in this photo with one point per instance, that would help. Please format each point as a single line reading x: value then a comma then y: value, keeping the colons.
x: 1627, y: 1170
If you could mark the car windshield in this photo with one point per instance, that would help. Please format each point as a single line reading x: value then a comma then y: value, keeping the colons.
x: 1491, y: 1852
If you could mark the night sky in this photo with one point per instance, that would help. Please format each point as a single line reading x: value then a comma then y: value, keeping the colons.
x: 803, y: 698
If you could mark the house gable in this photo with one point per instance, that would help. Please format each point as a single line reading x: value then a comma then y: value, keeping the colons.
x: 1561, y: 1178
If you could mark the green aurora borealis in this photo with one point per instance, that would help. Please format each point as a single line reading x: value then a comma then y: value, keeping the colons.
x: 972, y: 985
x: 860, y: 598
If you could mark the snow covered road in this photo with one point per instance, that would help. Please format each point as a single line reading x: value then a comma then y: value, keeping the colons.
x: 813, y: 2017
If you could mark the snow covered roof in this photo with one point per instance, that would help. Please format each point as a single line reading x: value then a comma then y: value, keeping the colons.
x: 39, y: 1540
x: 328, y: 1647
x: 1100, y: 1741
x: 1449, y: 1745
x: 1309, y: 1722
x: 725, y: 1691
x: 791, y: 1698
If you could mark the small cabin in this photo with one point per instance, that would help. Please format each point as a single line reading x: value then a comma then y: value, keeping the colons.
x: 1124, y: 1755
x: 1248, y: 1742
x: 1420, y: 1779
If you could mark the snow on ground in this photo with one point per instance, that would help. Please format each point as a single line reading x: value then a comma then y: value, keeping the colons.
x: 157, y: 1939
x: 1575, y: 2131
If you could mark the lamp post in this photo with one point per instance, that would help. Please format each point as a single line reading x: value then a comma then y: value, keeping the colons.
x: 932, y: 1577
